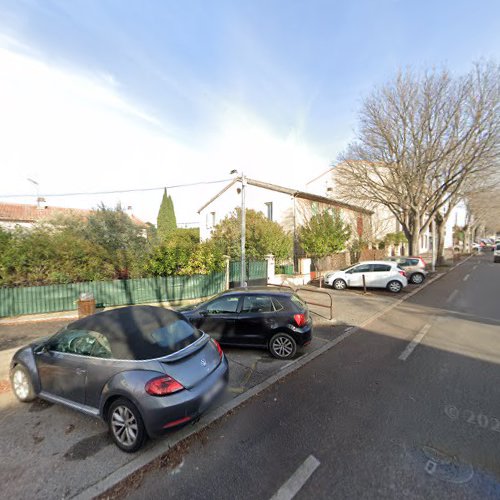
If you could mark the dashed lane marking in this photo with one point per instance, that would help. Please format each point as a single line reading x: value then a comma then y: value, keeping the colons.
x: 452, y: 296
x: 466, y: 277
x: 297, y: 480
x: 416, y: 340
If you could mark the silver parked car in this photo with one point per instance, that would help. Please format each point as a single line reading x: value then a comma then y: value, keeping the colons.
x: 376, y: 273
x: 496, y: 252
x: 415, y: 268
x: 142, y: 369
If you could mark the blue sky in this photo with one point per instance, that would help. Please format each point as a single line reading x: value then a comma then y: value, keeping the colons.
x: 142, y: 94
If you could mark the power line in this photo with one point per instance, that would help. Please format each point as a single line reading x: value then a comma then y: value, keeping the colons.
x: 53, y: 195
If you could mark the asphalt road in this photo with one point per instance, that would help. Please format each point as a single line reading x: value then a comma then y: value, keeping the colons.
x: 408, y: 407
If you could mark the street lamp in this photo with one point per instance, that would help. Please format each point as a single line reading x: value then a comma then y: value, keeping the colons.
x: 243, y: 228
x: 35, y: 183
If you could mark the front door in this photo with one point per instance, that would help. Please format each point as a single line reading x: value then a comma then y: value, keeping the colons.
x: 355, y: 275
x: 61, y: 366
x: 218, y: 318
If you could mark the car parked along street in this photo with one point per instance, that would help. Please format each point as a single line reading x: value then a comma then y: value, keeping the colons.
x: 142, y: 369
x: 377, y: 274
x: 415, y: 268
x: 273, y: 319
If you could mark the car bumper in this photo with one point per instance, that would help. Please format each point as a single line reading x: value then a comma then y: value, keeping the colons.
x: 160, y: 414
x: 302, y: 336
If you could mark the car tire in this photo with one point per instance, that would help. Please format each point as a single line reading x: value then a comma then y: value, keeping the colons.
x: 394, y: 286
x: 21, y: 384
x: 339, y: 284
x: 417, y: 278
x: 282, y: 346
x: 126, y: 425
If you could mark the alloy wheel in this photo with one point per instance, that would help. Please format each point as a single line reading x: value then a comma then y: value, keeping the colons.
x: 395, y: 286
x: 21, y: 384
x: 339, y: 284
x: 283, y: 346
x: 124, y: 426
x: 417, y: 278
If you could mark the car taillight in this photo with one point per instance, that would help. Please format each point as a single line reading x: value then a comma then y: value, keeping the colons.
x: 163, y: 386
x: 219, y: 348
x: 300, y: 319
x: 402, y: 273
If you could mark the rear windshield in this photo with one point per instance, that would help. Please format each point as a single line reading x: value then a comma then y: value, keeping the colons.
x: 298, y: 301
x: 174, y: 337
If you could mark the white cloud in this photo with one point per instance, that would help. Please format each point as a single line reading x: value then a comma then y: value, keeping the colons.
x: 73, y: 132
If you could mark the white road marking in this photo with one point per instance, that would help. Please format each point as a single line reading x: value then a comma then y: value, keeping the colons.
x: 416, y: 340
x: 297, y: 480
x: 466, y: 277
x: 452, y: 296
x: 474, y: 267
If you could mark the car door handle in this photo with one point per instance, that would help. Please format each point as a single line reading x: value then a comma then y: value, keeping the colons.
x: 80, y: 371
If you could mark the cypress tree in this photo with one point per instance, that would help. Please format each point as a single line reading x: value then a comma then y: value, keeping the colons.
x: 166, y: 221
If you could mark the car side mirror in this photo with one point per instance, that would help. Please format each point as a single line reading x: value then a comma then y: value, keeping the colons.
x: 42, y: 349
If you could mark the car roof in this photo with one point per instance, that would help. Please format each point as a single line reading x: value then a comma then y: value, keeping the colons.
x: 128, y: 329
x: 259, y: 290
x: 385, y: 262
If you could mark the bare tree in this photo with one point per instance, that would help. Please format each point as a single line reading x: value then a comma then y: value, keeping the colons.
x: 421, y: 139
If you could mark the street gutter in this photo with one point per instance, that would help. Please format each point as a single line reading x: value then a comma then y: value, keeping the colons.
x: 138, y: 465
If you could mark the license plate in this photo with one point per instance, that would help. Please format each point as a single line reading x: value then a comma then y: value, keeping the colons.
x: 213, y: 391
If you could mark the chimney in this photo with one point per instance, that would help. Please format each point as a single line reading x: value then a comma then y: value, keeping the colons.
x: 41, y: 203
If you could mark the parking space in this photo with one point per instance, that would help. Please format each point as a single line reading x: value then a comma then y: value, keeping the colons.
x: 40, y: 440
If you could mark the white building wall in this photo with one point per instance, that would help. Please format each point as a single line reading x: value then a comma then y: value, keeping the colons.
x: 255, y: 199
x: 458, y: 217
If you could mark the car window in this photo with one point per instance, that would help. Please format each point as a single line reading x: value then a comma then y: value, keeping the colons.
x: 257, y: 304
x: 379, y: 268
x: 363, y: 268
x: 278, y: 306
x: 414, y: 262
x: 227, y: 304
x: 298, y: 301
x: 175, y: 336
x: 82, y: 342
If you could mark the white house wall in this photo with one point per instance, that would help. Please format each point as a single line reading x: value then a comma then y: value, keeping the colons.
x: 255, y: 199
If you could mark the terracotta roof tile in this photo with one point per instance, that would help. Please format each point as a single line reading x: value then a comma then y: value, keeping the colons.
x: 17, y: 212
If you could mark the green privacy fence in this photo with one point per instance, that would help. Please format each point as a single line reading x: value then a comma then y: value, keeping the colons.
x: 256, y: 270
x: 52, y: 298
x: 284, y: 269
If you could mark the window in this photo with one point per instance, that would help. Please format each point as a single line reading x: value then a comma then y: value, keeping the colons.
x: 257, y: 304
x: 81, y: 342
x: 223, y: 305
x: 269, y: 210
x: 381, y: 268
x: 363, y: 268
x: 175, y: 336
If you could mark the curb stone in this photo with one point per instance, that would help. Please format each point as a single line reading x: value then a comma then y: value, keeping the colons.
x: 137, y: 464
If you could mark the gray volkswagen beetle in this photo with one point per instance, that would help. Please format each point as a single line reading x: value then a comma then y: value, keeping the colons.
x: 142, y: 369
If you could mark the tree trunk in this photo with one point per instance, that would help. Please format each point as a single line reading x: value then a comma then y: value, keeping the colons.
x: 440, y: 235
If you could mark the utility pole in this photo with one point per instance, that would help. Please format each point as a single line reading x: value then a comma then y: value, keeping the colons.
x: 243, y: 232
x: 433, y: 244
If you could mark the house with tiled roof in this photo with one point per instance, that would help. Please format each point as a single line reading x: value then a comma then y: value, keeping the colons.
x: 14, y: 215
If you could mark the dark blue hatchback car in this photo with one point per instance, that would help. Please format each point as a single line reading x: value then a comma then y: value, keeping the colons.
x: 274, y: 319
